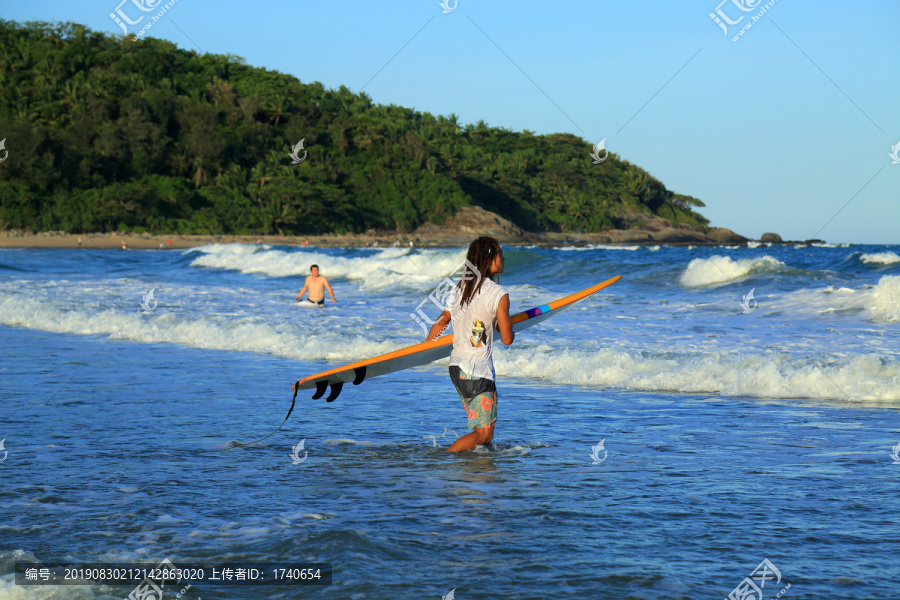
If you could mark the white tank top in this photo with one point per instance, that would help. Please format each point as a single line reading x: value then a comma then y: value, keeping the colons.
x: 473, y: 329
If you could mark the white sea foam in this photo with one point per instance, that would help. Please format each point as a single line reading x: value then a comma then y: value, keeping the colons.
x: 880, y: 302
x: 380, y: 268
x: 883, y: 301
x: 718, y: 270
x: 752, y: 244
x: 880, y: 258
x: 220, y: 318
x: 248, y: 334
x: 757, y: 375
x: 599, y: 247
x: 820, y: 301
x: 213, y: 317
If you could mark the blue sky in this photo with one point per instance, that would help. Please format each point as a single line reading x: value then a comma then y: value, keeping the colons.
x: 786, y: 130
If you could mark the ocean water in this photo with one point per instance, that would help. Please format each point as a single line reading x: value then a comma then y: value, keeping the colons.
x: 734, y: 429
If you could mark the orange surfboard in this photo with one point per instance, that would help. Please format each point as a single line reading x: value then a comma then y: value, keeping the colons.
x: 425, y: 352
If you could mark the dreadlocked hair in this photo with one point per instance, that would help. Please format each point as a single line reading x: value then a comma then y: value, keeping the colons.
x: 481, y: 254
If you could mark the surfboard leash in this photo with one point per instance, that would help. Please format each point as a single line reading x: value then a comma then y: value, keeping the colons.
x: 293, y: 401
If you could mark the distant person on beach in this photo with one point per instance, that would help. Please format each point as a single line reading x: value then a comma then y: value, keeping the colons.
x: 316, y: 284
x: 476, y: 307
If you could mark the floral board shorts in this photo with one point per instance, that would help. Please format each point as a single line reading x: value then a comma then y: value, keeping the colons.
x: 479, y: 398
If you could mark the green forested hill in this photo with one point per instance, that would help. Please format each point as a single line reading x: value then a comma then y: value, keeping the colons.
x: 104, y: 134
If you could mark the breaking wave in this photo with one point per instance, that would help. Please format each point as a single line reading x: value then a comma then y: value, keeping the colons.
x: 719, y: 270
x: 880, y: 258
x: 374, y: 268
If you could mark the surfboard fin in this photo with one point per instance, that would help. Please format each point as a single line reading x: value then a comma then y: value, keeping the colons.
x: 336, y: 387
x: 360, y: 373
x: 321, y: 386
x: 335, y: 391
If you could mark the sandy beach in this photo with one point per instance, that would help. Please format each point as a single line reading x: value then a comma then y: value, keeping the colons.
x: 469, y: 223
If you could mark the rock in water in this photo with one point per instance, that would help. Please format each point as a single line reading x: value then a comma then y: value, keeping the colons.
x: 770, y: 238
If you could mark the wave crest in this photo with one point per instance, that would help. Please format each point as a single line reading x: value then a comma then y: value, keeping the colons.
x: 719, y: 270
x: 880, y: 258
x: 376, y: 268
x: 883, y: 300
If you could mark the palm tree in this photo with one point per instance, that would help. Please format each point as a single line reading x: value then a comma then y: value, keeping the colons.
x: 277, y: 106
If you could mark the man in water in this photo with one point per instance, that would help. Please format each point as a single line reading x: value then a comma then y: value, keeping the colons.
x: 316, y: 284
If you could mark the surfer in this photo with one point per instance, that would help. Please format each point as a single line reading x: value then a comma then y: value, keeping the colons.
x: 476, y: 307
x: 317, y: 285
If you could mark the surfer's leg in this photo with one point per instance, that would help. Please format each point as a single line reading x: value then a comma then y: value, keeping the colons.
x: 479, y: 437
x: 488, y: 434
x: 482, y: 413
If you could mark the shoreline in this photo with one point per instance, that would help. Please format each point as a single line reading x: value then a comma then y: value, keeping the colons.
x: 420, y: 239
x: 468, y: 223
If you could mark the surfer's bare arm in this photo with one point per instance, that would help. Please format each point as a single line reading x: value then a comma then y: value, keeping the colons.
x: 504, y: 324
x: 328, y: 287
x: 303, y: 291
x: 439, y: 326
